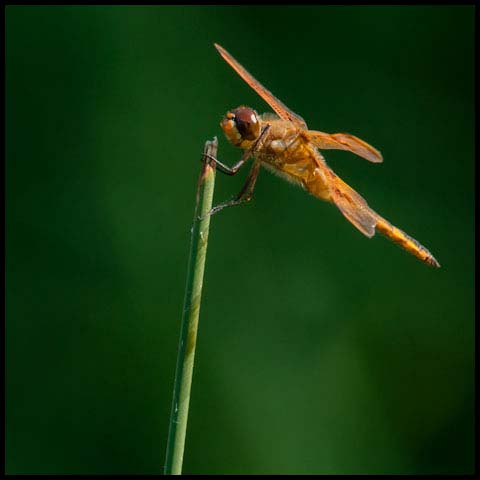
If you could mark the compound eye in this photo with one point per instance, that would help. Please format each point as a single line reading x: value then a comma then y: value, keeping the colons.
x: 247, y: 123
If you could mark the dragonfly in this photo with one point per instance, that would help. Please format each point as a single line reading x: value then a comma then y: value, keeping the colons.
x: 282, y: 143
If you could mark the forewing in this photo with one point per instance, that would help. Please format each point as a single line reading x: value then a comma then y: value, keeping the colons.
x: 282, y: 110
x: 344, y: 141
x: 353, y: 206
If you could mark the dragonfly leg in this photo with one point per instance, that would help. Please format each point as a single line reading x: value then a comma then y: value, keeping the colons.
x: 248, y: 153
x: 224, y: 168
x: 245, y: 194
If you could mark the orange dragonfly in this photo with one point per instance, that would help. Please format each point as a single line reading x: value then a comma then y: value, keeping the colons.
x: 283, y: 144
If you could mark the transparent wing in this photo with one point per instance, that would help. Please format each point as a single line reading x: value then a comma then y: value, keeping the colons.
x: 344, y: 141
x: 282, y: 110
x: 352, y: 205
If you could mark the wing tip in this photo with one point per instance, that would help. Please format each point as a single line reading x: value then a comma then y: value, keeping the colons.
x: 370, y: 153
x: 218, y: 47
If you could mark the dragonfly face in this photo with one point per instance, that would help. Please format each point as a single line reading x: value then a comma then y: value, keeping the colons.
x: 241, y: 126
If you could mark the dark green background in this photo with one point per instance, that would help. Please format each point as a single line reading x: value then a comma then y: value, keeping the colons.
x: 319, y: 350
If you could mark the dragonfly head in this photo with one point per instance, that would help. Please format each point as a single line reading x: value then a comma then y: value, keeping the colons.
x: 241, y: 126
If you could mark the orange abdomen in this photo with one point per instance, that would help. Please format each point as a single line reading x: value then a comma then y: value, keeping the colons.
x: 405, y: 241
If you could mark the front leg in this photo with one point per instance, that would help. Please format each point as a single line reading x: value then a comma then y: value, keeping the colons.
x: 224, y: 168
x: 245, y: 194
x: 247, y: 154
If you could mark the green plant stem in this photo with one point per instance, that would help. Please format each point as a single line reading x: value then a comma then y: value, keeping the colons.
x: 191, y: 310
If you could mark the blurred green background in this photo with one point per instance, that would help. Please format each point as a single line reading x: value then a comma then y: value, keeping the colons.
x: 319, y: 350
